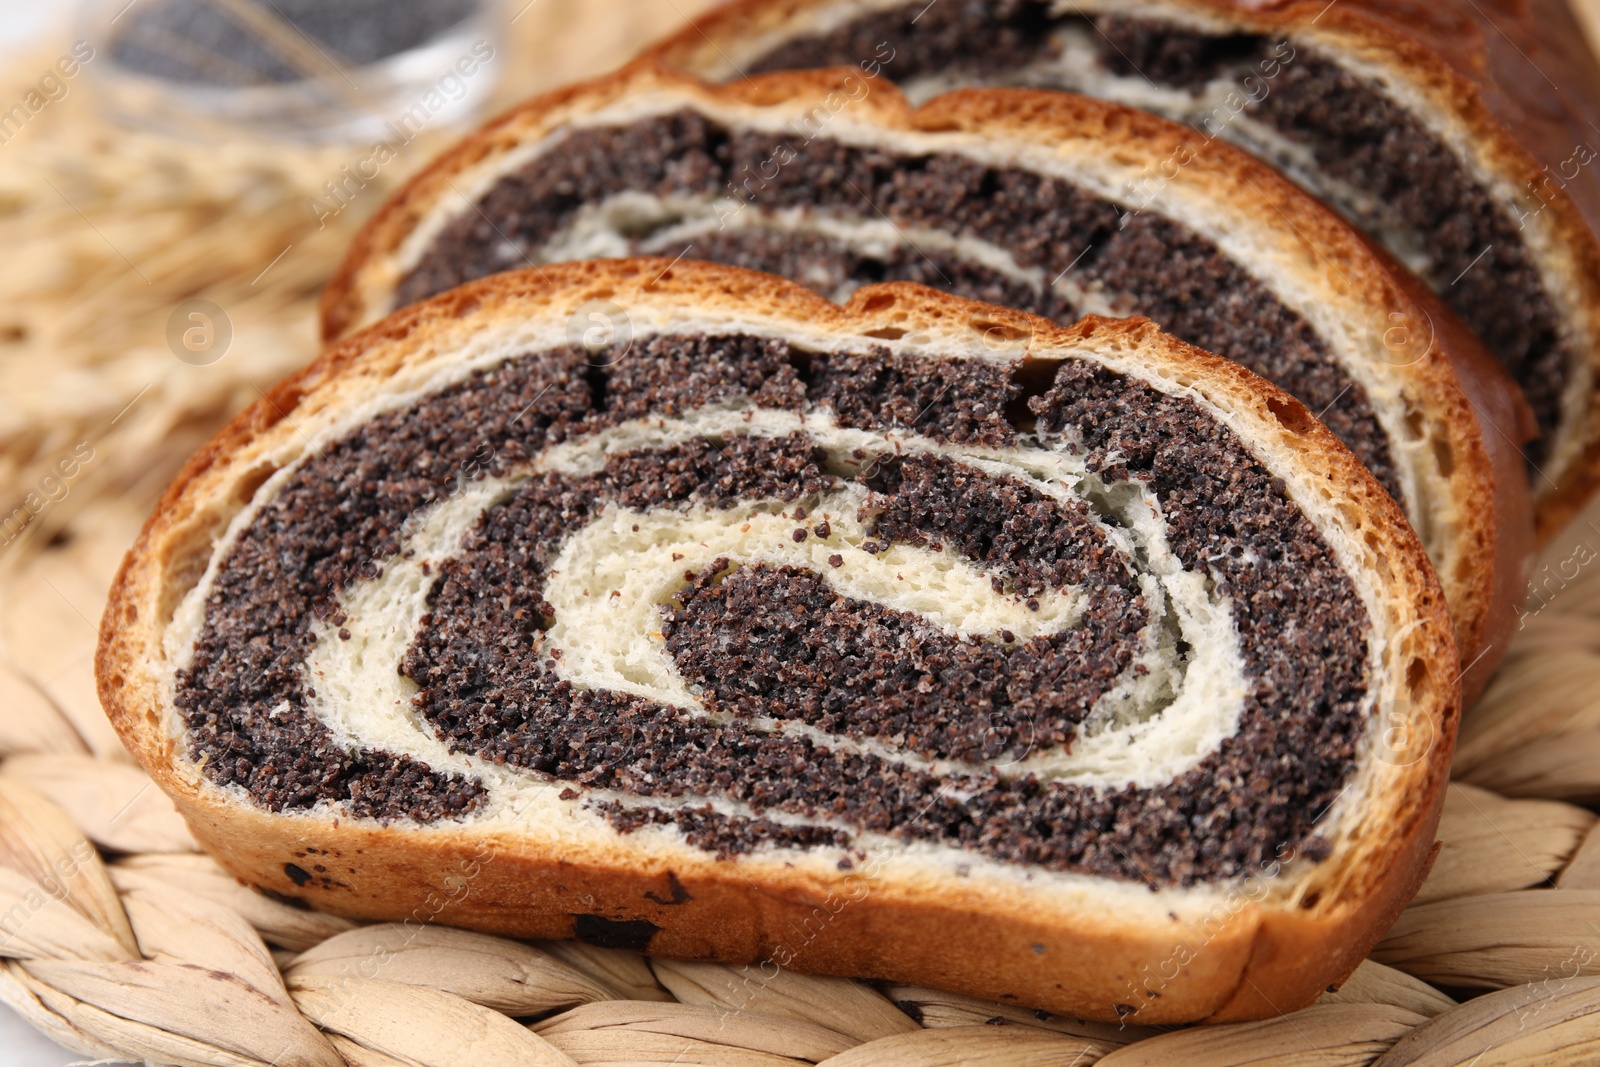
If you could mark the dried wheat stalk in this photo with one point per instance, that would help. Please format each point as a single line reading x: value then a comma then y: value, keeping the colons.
x: 107, y: 231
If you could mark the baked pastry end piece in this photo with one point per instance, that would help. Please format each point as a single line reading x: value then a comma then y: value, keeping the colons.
x: 671, y: 607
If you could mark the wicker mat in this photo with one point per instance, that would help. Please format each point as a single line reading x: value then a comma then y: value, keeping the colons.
x: 122, y: 941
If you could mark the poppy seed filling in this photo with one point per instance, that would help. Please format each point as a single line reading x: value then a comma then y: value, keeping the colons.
x: 1126, y: 262
x: 800, y: 685
x: 1405, y: 179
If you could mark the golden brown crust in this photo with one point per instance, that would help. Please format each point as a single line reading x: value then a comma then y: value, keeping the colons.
x: 1494, y: 63
x: 1465, y: 400
x: 1082, y: 961
x: 1505, y: 535
x: 1515, y: 74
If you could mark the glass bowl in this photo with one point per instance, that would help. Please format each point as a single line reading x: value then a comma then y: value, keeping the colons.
x: 272, y: 79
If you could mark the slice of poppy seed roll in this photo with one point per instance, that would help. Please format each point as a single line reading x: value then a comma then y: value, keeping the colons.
x: 1030, y: 199
x: 691, y: 639
x: 1459, y: 134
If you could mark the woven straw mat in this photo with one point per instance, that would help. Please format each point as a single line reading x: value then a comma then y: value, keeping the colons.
x: 139, y: 947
